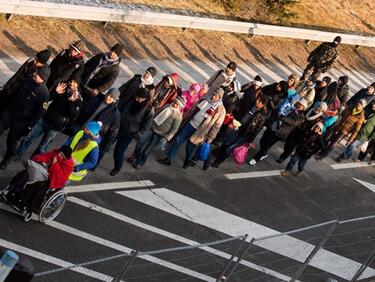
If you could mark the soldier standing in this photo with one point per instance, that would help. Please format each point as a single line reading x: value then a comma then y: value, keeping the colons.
x: 321, y: 59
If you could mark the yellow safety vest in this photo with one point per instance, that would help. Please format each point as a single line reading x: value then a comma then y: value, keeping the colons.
x: 80, y: 155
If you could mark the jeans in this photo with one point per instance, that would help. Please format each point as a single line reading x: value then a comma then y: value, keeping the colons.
x: 349, y: 150
x: 294, y: 159
x: 152, y: 142
x: 185, y: 133
x: 142, y: 143
x: 124, y: 139
x: 39, y: 129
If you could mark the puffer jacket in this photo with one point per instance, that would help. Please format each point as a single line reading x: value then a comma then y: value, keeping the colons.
x: 351, y: 124
x: 289, y: 122
x: 256, y: 124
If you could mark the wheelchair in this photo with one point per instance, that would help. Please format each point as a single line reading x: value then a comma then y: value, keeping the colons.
x: 27, y: 196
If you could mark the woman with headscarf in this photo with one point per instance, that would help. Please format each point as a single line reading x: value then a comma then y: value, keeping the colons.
x: 202, y: 123
x: 166, y: 91
x: 192, y: 96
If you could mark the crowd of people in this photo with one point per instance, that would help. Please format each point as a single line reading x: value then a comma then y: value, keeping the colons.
x: 77, y: 98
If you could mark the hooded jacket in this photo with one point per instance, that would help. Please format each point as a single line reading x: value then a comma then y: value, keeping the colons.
x: 351, y: 123
x: 163, y: 96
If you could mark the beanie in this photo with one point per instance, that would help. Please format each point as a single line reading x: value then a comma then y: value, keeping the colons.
x: 67, y: 151
x: 337, y: 40
x: 93, y: 127
x: 320, y: 125
x: 78, y: 45
x: 258, y: 80
x: 44, y: 73
x: 114, y: 93
x: 303, y: 102
x: 43, y: 56
x: 232, y: 66
x: 117, y: 49
x: 327, y: 79
x: 153, y: 71
x: 142, y: 93
x: 180, y: 101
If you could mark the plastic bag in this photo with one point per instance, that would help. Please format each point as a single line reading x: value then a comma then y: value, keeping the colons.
x: 204, y: 151
x: 363, y: 146
x: 239, y: 153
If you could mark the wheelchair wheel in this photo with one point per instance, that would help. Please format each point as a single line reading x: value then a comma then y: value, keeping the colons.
x: 52, y: 206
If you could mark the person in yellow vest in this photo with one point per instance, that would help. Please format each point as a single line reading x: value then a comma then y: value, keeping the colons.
x: 85, y: 150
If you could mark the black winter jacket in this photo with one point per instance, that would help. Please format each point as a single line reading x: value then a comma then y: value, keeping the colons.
x: 290, y: 122
x: 64, y: 68
x: 256, y: 124
x: 139, y: 123
x: 247, y: 102
x: 309, y: 145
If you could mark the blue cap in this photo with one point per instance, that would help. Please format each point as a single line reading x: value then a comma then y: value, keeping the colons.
x: 93, y: 127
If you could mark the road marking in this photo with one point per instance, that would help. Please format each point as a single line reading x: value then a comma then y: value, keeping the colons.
x: 173, y: 236
x: 254, y: 174
x: 350, y: 165
x: 123, y: 249
x: 55, y: 261
x: 107, y: 186
x: 370, y: 186
x: 200, y: 213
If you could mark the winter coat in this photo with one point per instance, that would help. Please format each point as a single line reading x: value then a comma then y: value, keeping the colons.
x: 350, y: 123
x: 367, y: 131
x: 361, y: 94
x: 170, y: 126
x: 217, y: 80
x: 209, y: 127
x: 324, y: 56
x: 61, y: 113
x: 275, y: 96
x: 191, y: 100
x: 129, y: 89
x: 30, y: 103
x: 289, y: 122
x: 65, y: 68
x: 307, y: 93
x: 101, y: 78
x: 230, y: 100
x: 343, y: 94
x: 309, y: 144
x: 170, y: 95
x: 247, y: 102
x: 258, y: 120
x: 59, y: 171
x: 139, y: 123
x: 320, y: 93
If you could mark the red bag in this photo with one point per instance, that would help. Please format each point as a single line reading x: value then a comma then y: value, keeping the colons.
x: 239, y: 153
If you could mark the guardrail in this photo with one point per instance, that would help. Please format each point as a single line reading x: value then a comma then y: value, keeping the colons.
x: 79, y: 12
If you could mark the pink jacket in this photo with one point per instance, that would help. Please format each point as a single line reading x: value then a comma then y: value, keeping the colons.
x: 192, y: 99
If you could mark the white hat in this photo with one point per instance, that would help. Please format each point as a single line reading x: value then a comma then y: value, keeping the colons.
x: 363, y: 102
x: 303, y: 102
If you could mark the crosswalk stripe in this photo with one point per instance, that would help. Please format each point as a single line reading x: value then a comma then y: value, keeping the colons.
x: 173, y: 236
x: 55, y: 261
x: 107, y: 186
x: 254, y: 174
x: 350, y: 165
x: 124, y: 249
x: 369, y: 186
x: 200, y: 213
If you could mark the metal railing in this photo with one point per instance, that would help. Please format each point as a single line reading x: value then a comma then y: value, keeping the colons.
x: 80, y: 12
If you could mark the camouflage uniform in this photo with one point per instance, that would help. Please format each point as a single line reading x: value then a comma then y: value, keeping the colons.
x: 321, y: 60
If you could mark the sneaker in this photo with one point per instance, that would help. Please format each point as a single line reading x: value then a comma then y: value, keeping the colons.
x: 252, y: 162
x: 298, y: 173
x: 165, y: 161
x: 263, y: 157
x: 285, y: 173
x: 114, y: 172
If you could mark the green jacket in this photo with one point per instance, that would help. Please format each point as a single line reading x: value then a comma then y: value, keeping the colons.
x: 367, y: 131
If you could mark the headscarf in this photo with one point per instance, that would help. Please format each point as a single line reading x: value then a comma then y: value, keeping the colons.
x: 312, y: 114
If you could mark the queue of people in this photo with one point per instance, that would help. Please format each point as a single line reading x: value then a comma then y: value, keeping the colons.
x: 77, y: 98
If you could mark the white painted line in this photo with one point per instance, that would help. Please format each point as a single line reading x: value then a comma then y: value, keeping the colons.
x: 200, y: 213
x: 173, y: 236
x: 107, y: 186
x: 370, y: 186
x: 123, y: 249
x: 350, y: 165
x: 55, y: 261
x: 254, y: 174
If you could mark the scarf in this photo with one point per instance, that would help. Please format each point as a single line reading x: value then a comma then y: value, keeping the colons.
x: 147, y: 82
x: 355, y: 111
x: 109, y: 61
x: 312, y: 115
x: 164, y: 115
x: 227, y: 79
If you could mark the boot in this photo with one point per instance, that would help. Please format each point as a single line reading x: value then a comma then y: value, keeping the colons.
x: 206, y: 165
x: 165, y: 161
x: 285, y: 173
x: 298, y: 173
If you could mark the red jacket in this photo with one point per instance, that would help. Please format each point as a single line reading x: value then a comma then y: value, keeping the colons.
x: 58, y: 171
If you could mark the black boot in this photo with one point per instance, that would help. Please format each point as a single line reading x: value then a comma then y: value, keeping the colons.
x: 165, y: 161
x: 206, y: 165
x: 5, y: 162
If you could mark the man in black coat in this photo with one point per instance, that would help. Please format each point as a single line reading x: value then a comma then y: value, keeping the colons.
x: 101, y: 72
x: 367, y: 94
x: 62, y: 112
x: 67, y: 65
x: 11, y: 87
x: 24, y: 112
x: 130, y: 88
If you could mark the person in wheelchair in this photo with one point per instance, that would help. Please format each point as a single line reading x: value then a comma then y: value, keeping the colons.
x: 38, y: 187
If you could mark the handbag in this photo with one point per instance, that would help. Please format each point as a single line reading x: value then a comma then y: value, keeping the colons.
x: 239, y: 153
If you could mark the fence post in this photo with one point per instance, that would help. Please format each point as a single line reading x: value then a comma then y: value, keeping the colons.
x: 133, y: 256
x: 363, y: 267
x: 301, y: 269
x: 222, y: 276
x: 7, y: 262
x: 239, y: 258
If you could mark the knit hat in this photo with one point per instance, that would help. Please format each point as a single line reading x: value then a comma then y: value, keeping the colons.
x: 320, y: 125
x: 142, y: 93
x: 322, y: 105
x: 180, y: 101
x: 114, y: 93
x: 303, y: 102
x: 327, y: 79
x: 43, y: 56
x: 78, y: 45
x: 258, y: 80
x: 117, y: 49
x: 337, y: 40
x: 153, y: 71
x: 44, y: 73
x: 93, y: 127
x: 67, y: 151
x: 232, y: 66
